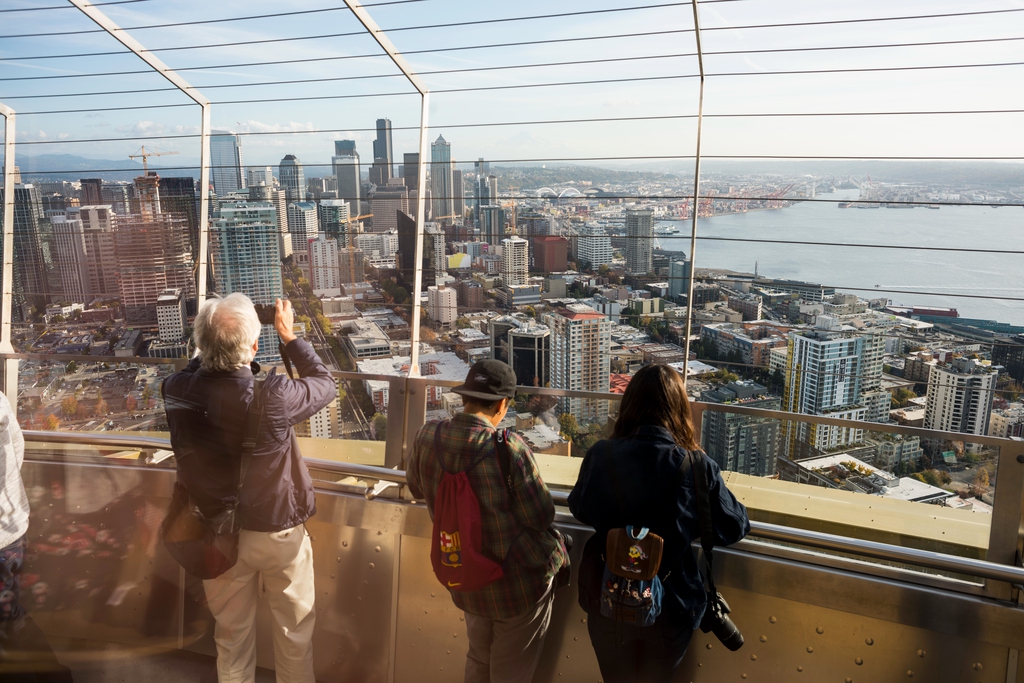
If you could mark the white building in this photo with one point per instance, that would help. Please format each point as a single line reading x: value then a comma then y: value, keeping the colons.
x: 515, y: 261
x: 170, y: 316
x: 593, y: 246
x: 442, y: 306
x: 100, y: 266
x: 639, y: 231
x: 960, y: 397
x: 69, y: 238
x: 323, y: 266
x: 580, y: 358
x: 303, y: 224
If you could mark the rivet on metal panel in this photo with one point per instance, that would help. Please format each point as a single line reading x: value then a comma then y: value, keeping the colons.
x: 455, y: 635
x: 810, y: 650
x: 433, y: 595
x: 708, y: 646
x: 332, y: 576
x: 858, y: 661
x: 401, y: 391
x: 910, y: 674
x: 339, y: 560
x: 848, y: 680
x: 764, y: 639
x: 371, y: 565
x: 743, y: 675
x: 799, y: 668
x: 772, y: 620
x: 921, y: 653
x: 819, y: 630
x: 583, y: 621
x: 377, y: 549
x: 977, y: 666
x: 1020, y: 459
x: 344, y: 544
x: 412, y: 392
x: 869, y: 641
x: 753, y: 658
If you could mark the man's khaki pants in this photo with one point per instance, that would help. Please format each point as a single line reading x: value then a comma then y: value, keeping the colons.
x: 285, y: 561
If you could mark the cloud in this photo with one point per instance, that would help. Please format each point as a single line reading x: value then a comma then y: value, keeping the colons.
x: 260, y: 127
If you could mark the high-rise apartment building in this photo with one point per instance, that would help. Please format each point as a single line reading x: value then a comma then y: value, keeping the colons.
x: 334, y: 220
x: 178, y: 195
x: 292, y: 178
x: 154, y: 252
x: 434, y: 259
x: 593, y: 246
x: 277, y: 198
x: 832, y: 372
x: 515, y: 261
x: 580, y: 358
x: 345, y: 163
x: 383, y: 154
x: 246, y: 257
x: 385, y: 203
x: 303, y: 224
x: 170, y: 316
x: 92, y: 191
x: 323, y: 266
x: 960, y: 397
x: 442, y: 306
x: 639, y: 241
x: 441, y: 179
x: 226, y: 170
x: 411, y: 171
x: 741, y: 443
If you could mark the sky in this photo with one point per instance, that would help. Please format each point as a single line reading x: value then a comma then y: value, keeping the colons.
x: 656, y: 44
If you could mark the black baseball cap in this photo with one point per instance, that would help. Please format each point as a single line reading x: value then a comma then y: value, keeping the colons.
x: 488, y: 380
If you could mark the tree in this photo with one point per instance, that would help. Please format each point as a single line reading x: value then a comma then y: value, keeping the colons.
x: 101, y: 407
x: 462, y: 323
x: 52, y: 423
x: 568, y: 425
x: 69, y: 406
x: 530, y: 311
x: 71, y: 368
x: 981, y: 479
x: 379, y: 426
x: 428, y: 335
x: 130, y: 404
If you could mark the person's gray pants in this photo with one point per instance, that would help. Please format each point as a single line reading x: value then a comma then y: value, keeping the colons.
x: 507, y: 650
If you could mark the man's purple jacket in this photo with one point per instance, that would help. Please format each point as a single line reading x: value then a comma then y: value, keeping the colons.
x: 206, y: 414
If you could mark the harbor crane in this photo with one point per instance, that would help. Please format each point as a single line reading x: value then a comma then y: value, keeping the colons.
x: 144, y: 155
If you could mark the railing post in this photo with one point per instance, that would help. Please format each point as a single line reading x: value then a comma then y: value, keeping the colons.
x: 9, y: 365
x: 1007, y: 512
x: 398, y: 398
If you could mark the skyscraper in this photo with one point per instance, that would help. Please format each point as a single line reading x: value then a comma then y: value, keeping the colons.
x: 411, y: 170
x: 178, y: 195
x: 529, y: 354
x: 245, y: 251
x: 277, y: 198
x: 334, y: 220
x: 515, y: 261
x: 154, y: 253
x: 69, y: 240
x: 292, y: 177
x: 639, y: 231
x: 441, y: 179
x: 259, y: 174
x: 593, y: 246
x: 458, y: 194
x: 226, y: 171
x: 345, y: 163
x: 678, y: 278
x: 92, y: 191
x: 383, y: 154
x: 100, y: 252
x: 351, y: 266
x: 31, y: 285
x: 580, y: 358
x: 492, y: 224
x: 385, y: 204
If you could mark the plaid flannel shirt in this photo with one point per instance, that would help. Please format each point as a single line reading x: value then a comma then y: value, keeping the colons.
x: 516, y: 531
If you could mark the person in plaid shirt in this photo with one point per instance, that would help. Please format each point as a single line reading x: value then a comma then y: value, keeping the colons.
x: 506, y: 621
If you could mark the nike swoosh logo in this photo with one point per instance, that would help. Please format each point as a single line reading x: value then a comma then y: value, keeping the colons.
x: 453, y: 585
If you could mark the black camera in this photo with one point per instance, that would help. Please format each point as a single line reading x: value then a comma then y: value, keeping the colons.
x: 716, y: 620
x: 266, y: 313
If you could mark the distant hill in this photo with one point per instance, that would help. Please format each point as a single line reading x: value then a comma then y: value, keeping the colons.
x: 53, y: 167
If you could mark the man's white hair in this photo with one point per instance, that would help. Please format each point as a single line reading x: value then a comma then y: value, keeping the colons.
x: 225, y: 331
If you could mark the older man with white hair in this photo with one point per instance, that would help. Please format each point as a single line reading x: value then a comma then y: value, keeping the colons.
x: 206, y: 405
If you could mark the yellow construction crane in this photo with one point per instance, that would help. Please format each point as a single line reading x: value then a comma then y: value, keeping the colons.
x: 143, y: 154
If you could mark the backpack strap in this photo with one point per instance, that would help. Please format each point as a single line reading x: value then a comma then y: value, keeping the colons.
x: 504, y: 459
x: 707, y: 527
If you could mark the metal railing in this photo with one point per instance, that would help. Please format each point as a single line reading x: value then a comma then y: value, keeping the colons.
x: 1003, y: 535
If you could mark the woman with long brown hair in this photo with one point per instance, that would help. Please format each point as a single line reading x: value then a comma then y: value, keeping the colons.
x: 637, y: 479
